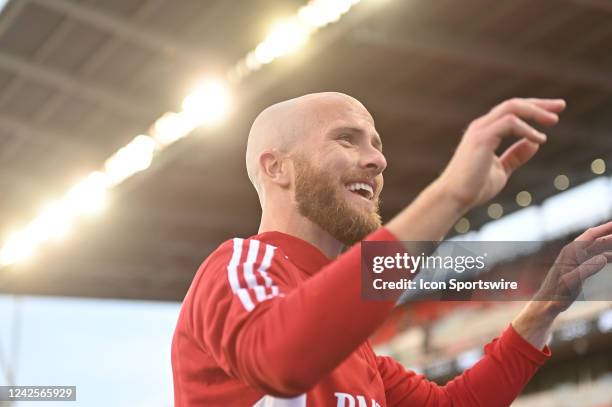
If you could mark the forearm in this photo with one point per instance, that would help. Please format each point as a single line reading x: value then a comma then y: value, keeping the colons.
x: 495, y: 381
x: 534, y: 323
x: 500, y: 376
x: 429, y: 217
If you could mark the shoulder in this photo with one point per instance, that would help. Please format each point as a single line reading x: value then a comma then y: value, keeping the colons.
x: 244, y: 262
x: 241, y: 252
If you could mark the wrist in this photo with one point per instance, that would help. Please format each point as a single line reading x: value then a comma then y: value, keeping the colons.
x: 441, y: 191
x: 543, y: 310
x: 535, y: 322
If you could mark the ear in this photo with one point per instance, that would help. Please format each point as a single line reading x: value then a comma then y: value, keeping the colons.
x: 276, y: 168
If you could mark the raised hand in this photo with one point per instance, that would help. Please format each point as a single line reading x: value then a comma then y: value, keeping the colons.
x: 476, y: 173
x: 577, y: 261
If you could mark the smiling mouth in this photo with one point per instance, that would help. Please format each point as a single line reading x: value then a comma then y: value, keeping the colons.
x: 361, y: 188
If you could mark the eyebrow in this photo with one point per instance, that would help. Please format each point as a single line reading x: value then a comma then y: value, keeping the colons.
x: 376, y: 138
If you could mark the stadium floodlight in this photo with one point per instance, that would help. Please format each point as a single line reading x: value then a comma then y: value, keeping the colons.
x: 53, y: 223
x: 133, y: 158
x: 207, y: 104
x: 561, y: 182
x: 286, y: 37
x: 462, y: 225
x: 18, y: 247
x: 55, y: 220
x: 291, y: 34
x: 88, y: 197
x: 171, y: 127
x: 495, y: 211
x: 319, y: 13
x: 598, y: 166
x: 523, y: 198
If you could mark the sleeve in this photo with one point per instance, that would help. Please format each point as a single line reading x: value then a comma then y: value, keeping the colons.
x: 280, y: 340
x: 495, y: 381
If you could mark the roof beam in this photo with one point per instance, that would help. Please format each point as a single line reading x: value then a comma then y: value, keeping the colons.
x: 26, y: 129
x: 488, y: 55
x: 126, y: 28
x: 121, y: 104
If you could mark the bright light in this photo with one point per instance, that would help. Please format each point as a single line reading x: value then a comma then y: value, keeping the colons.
x: 54, y: 223
x: 319, y: 13
x: 88, y: 197
x: 495, y: 211
x: 18, y: 247
x: 290, y: 35
x: 598, y: 166
x: 171, y: 127
x: 286, y: 37
x: 462, y: 226
x: 129, y: 160
x: 561, y: 182
x: 208, y: 104
x: 252, y: 62
x: 523, y: 198
x: 56, y: 219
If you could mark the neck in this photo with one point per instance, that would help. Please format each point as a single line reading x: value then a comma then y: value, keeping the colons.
x: 297, y: 225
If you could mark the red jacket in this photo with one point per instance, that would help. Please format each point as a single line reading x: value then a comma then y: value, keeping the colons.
x: 270, y: 321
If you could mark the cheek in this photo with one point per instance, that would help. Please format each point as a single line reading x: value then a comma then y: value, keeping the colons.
x: 337, y: 161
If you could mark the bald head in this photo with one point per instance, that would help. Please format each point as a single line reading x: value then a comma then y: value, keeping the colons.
x: 284, y: 127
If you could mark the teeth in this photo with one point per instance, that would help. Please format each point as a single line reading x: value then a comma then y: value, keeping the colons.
x: 356, y: 186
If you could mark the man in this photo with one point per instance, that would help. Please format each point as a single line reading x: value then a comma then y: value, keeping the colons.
x: 277, y: 319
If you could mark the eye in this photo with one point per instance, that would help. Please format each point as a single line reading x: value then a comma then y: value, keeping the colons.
x: 345, y: 139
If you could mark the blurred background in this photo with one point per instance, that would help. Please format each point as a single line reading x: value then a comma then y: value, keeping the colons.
x: 122, y: 137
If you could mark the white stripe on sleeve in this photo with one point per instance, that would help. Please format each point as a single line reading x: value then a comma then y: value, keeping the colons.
x: 232, y: 272
x: 248, y: 269
x: 260, y: 292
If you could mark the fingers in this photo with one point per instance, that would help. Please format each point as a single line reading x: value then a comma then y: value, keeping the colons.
x: 511, y: 125
x: 518, y: 154
x: 541, y: 111
x: 552, y: 105
x: 598, y: 246
x: 597, y: 231
x: 573, y: 280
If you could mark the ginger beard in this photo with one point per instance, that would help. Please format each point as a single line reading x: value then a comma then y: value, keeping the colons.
x: 318, y: 197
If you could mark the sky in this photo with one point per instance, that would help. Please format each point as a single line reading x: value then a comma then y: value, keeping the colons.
x: 117, y: 352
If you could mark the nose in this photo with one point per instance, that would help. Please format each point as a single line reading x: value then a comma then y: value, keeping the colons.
x: 374, y: 160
